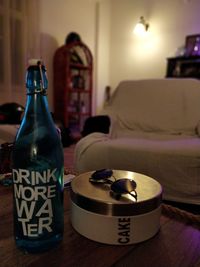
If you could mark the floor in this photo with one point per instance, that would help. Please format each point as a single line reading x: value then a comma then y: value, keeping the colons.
x: 69, y: 157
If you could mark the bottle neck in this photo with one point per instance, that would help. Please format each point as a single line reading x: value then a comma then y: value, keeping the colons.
x: 36, y: 84
x: 36, y: 103
x: 37, y: 113
x: 36, y: 80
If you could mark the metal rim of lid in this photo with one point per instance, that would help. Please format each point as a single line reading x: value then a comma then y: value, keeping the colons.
x: 110, y: 208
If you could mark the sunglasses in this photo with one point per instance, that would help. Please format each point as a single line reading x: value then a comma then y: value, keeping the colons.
x: 118, y: 187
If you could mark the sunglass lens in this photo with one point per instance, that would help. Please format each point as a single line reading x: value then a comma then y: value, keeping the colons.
x: 123, y: 186
x: 101, y: 174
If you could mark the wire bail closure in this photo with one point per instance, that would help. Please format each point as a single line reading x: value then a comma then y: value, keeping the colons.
x: 42, y: 90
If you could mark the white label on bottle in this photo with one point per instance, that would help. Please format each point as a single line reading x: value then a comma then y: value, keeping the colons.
x: 33, y: 193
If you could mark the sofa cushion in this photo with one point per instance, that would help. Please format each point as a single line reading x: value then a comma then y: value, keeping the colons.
x: 172, y: 160
x: 159, y: 105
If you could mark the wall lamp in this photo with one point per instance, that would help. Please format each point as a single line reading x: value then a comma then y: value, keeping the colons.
x: 141, y: 27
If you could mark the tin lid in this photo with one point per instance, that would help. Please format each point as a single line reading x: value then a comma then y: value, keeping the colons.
x: 98, y: 197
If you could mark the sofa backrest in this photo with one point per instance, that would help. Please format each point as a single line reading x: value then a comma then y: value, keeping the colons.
x: 157, y: 105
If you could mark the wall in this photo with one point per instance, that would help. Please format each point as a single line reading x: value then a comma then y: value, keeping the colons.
x: 102, y: 67
x: 170, y: 22
x: 106, y: 27
x: 57, y: 19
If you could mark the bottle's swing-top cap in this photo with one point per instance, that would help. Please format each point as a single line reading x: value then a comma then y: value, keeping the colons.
x: 36, y: 76
x: 34, y: 61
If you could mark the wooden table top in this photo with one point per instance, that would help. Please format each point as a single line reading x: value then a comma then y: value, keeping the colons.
x: 176, y: 245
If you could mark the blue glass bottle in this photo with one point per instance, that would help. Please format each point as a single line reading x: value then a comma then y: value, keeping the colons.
x: 37, y: 166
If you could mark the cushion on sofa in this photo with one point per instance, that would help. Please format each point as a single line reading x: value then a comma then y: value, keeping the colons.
x: 161, y: 105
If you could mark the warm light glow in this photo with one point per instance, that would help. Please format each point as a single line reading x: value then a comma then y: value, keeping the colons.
x: 141, y: 27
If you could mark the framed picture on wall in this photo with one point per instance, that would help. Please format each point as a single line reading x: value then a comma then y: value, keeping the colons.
x: 192, y: 45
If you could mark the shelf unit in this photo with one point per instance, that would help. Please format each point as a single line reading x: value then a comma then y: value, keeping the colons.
x: 183, y: 67
x: 73, y: 70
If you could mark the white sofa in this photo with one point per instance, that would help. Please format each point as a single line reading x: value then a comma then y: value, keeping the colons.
x: 155, y: 130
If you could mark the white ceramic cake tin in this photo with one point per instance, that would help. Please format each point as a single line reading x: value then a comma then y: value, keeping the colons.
x: 97, y: 215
